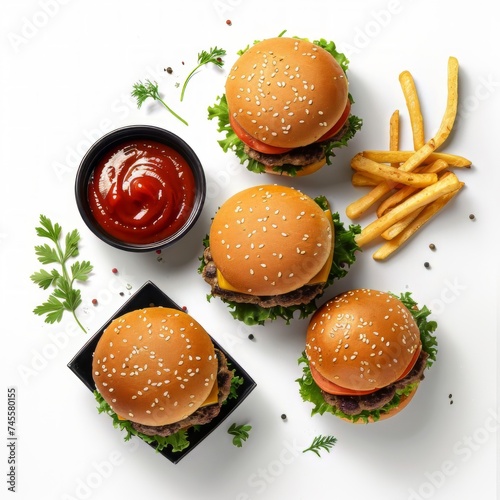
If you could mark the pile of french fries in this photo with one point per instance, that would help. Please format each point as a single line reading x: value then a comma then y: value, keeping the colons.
x: 407, y: 187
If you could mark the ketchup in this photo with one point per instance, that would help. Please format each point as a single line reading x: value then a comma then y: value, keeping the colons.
x: 142, y: 191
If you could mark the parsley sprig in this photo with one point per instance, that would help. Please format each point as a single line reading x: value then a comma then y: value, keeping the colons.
x: 214, y: 56
x: 149, y: 89
x: 64, y: 297
x: 324, y: 442
x: 240, y: 433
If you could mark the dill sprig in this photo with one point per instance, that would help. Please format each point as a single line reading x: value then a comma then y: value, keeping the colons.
x: 149, y: 89
x: 214, y: 56
x: 324, y: 442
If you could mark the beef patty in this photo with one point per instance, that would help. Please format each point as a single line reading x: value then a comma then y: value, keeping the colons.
x: 298, y: 157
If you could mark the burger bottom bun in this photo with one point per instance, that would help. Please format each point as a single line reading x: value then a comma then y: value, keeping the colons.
x: 305, y: 170
x: 405, y: 400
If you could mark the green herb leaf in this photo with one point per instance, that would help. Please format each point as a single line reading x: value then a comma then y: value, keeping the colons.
x: 47, y: 255
x: 53, y: 308
x: 80, y: 271
x: 321, y: 442
x: 72, y: 240
x: 48, y: 230
x: 143, y: 91
x: 214, y: 56
x: 240, y: 433
x: 45, y: 279
x: 71, y: 297
x: 64, y: 297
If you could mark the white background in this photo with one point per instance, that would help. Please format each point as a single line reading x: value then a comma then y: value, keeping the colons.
x: 66, y: 76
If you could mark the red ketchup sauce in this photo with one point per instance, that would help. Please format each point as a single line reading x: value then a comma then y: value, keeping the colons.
x: 142, y: 191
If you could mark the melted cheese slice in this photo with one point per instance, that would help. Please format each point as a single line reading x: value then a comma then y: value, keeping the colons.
x: 321, y: 276
x: 213, y: 397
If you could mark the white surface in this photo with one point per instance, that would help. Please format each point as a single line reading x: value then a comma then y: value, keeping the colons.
x: 67, y: 72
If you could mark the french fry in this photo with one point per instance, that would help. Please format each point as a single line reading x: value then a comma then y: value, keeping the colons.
x: 424, y: 216
x: 401, y: 225
x: 381, y: 156
x: 451, y: 104
x: 421, y: 198
x: 389, y: 173
x: 394, y: 134
x: 357, y: 208
x: 361, y: 205
x: 404, y: 192
x: 413, y: 105
x: 363, y: 180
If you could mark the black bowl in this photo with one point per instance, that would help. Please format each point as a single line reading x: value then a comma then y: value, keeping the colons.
x: 112, y: 140
x: 150, y: 295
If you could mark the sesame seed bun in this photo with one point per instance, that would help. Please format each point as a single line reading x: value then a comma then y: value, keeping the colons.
x: 286, y: 92
x: 154, y: 366
x: 362, y: 339
x: 270, y: 240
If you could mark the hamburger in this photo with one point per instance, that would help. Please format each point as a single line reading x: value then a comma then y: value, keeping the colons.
x: 286, y: 106
x: 272, y: 250
x: 157, y: 374
x: 365, y: 355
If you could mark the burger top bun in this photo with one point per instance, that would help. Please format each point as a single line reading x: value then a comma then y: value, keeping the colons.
x: 286, y: 92
x: 154, y: 366
x: 362, y: 339
x: 270, y: 240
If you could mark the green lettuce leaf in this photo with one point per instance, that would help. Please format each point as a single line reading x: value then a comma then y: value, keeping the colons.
x: 427, y: 328
x: 310, y: 392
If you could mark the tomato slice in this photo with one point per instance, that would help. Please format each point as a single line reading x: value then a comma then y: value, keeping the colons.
x: 331, y: 388
x: 340, y: 123
x: 255, y: 143
x: 337, y: 390
x: 409, y: 368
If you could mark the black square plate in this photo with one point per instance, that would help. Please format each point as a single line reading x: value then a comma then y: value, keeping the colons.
x: 150, y: 295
